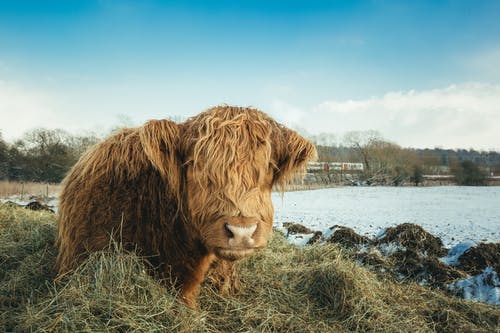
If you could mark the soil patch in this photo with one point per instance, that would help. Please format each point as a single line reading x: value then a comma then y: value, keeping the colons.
x: 36, y: 205
x: 414, y: 238
x: 477, y: 258
x: 296, y: 228
x: 428, y: 270
x: 347, y: 237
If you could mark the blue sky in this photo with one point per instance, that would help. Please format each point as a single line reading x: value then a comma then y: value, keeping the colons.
x: 423, y: 73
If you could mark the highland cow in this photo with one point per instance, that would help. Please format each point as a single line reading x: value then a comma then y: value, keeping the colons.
x: 182, y: 195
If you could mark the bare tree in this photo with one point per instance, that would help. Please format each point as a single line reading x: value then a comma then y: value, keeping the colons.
x: 360, y: 142
x: 324, y: 139
x: 385, y: 162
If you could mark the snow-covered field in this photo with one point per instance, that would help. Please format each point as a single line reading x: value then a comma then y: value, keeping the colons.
x: 456, y: 214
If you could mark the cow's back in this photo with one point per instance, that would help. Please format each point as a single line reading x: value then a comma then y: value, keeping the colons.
x: 113, y: 192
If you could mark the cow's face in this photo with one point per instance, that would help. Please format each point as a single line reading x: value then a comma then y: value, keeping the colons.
x: 232, y: 157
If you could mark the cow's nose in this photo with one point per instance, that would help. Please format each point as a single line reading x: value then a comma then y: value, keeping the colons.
x: 240, y: 236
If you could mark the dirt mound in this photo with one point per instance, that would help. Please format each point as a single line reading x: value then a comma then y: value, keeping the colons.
x: 413, y: 266
x: 414, y: 238
x: 347, y: 237
x: 296, y: 228
x: 477, y: 258
x: 413, y: 255
x: 410, y: 266
x: 37, y: 205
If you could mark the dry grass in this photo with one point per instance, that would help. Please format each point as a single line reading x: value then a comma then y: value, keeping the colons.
x: 26, y: 189
x: 284, y: 289
x: 306, y: 187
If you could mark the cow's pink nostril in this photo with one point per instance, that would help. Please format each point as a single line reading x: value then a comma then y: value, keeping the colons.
x: 238, y: 232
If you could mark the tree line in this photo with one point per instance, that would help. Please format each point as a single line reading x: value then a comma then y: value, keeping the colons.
x: 46, y: 155
x: 388, y: 163
x: 42, y: 155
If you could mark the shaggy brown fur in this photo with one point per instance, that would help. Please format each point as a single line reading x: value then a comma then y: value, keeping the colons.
x: 182, y: 195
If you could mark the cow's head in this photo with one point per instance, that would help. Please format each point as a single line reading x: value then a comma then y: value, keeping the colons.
x: 231, y: 158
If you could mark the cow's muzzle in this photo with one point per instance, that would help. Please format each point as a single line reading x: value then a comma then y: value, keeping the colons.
x: 240, y: 236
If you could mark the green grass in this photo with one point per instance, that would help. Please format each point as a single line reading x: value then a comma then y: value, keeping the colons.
x: 284, y: 289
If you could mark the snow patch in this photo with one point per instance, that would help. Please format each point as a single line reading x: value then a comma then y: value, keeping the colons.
x: 15, y: 199
x: 484, y: 287
x: 390, y: 248
x: 455, y: 252
x: 329, y: 232
x: 299, y: 239
x: 381, y: 233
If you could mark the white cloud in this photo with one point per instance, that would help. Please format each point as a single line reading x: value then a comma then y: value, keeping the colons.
x: 22, y: 109
x: 459, y: 116
x: 285, y: 113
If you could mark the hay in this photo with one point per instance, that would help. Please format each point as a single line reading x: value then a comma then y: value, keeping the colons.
x: 283, y: 289
x: 27, y: 257
x: 112, y: 292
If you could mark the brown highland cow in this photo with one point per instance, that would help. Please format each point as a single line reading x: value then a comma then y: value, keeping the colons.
x: 184, y: 196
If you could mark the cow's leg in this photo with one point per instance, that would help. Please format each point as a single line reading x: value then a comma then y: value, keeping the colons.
x: 191, y: 286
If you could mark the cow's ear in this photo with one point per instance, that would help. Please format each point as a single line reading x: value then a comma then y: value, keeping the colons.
x: 291, y: 155
x: 160, y: 141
